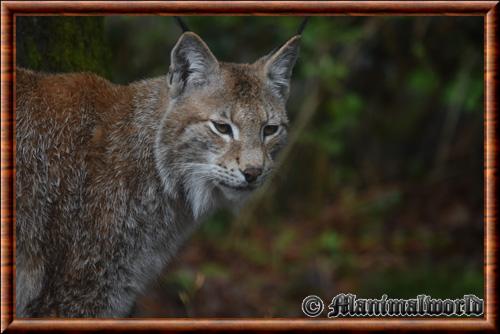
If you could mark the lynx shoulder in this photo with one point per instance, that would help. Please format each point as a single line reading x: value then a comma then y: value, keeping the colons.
x: 111, y: 179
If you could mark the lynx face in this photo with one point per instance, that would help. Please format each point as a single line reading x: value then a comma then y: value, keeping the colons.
x: 225, y: 123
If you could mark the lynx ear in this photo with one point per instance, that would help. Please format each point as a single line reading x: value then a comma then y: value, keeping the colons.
x: 191, y: 63
x: 278, y: 67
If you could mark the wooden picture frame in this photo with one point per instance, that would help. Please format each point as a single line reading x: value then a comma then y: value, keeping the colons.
x: 487, y: 9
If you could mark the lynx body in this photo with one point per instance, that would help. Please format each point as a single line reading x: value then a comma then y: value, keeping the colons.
x: 111, y: 179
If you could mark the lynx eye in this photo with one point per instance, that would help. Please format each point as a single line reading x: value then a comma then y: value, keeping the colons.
x: 223, y: 128
x: 270, y: 130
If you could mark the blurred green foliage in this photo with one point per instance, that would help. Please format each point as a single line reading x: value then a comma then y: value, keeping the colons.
x: 381, y: 189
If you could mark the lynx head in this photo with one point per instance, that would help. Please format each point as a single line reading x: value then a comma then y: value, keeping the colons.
x: 224, y: 123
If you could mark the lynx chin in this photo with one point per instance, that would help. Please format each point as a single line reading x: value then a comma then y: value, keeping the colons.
x: 110, y: 179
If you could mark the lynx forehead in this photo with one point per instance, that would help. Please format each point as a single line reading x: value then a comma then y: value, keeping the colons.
x: 111, y: 179
x: 250, y: 96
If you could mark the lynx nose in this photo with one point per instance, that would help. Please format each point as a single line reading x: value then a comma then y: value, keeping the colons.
x: 251, y: 174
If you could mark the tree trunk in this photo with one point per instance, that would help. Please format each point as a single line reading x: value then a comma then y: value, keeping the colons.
x: 62, y: 44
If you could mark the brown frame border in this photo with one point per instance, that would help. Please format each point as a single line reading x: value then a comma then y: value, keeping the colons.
x: 487, y: 9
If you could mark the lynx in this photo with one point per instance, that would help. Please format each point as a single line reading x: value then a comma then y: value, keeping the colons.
x: 111, y: 179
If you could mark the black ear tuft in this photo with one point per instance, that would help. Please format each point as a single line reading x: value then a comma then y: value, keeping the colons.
x: 182, y: 24
x: 191, y: 64
x: 303, y: 25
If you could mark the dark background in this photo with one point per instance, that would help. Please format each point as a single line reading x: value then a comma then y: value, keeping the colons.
x: 381, y: 188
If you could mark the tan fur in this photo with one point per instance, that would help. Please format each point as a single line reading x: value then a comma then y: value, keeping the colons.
x: 111, y: 179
